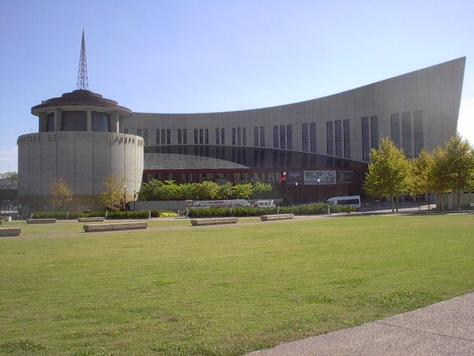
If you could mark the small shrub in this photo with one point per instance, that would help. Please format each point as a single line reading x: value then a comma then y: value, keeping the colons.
x: 168, y: 214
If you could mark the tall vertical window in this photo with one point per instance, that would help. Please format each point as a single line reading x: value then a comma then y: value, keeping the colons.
x: 312, y: 137
x: 201, y: 136
x: 50, y: 122
x: 407, y: 134
x: 163, y: 137
x: 262, y: 136
x: 239, y: 136
x: 347, y: 138
x: 74, y: 121
x: 157, y: 136
x: 255, y: 136
x: 338, y: 135
x: 374, y: 131
x: 217, y: 137
x: 101, y: 122
x: 222, y: 136
x: 206, y: 136
x: 275, y: 136
x: 185, y: 136
x: 304, y: 137
x: 168, y: 136
x: 289, y: 137
x: 244, y: 136
x: 282, y: 136
x: 179, y: 137
x: 139, y: 132
x: 395, y: 129
x: 196, y: 136
x: 233, y: 136
x: 365, y: 139
x: 329, y: 138
x: 145, y: 136
x: 418, y: 131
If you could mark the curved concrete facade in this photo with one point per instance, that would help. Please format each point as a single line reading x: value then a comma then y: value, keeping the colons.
x: 417, y: 110
x: 82, y: 159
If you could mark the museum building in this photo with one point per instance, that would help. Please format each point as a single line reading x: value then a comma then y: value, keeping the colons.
x: 317, y: 148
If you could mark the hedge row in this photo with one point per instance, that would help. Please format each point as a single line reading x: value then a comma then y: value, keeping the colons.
x: 62, y: 215
x: 310, y: 209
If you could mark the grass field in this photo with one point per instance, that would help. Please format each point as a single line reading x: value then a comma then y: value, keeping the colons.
x: 175, y: 289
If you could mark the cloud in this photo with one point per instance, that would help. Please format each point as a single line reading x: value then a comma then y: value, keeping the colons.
x: 8, y: 159
x: 466, y: 119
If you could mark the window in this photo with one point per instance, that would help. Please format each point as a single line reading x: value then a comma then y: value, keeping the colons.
x: 338, y: 134
x: 179, y: 137
x: 262, y: 136
x: 407, y: 134
x: 289, y: 137
x: 168, y: 136
x: 217, y: 136
x: 201, y: 136
x: 418, y: 131
x: 347, y: 138
x: 125, y: 131
x: 239, y: 136
x: 329, y: 138
x: 233, y: 136
x: 100, y: 121
x: 244, y: 136
x: 185, y: 136
x: 145, y: 136
x: 157, y: 136
x: 195, y: 136
x: 50, y: 122
x: 374, y: 131
x: 282, y: 136
x: 223, y: 136
x: 275, y: 136
x: 255, y: 136
x: 206, y: 136
x: 365, y: 139
x: 395, y: 129
x: 74, y: 121
x: 304, y: 137
x: 312, y: 136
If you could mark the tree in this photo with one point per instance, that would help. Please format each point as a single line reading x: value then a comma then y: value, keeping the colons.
x: 459, y: 166
x: 10, y: 177
x: 388, y: 172
x: 420, y: 181
x: 60, y: 193
x: 112, y: 194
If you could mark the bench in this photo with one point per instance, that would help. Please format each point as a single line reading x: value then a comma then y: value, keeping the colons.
x: 115, y: 226
x: 274, y: 217
x: 213, y: 221
x: 10, y: 231
x: 91, y: 219
x: 40, y: 221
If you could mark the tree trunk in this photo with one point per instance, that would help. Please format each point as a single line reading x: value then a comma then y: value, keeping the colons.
x: 398, y: 204
x: 393, y: 203
x: 459, y: 200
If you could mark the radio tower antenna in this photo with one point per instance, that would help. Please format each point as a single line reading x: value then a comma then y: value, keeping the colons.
x: 82, y: 79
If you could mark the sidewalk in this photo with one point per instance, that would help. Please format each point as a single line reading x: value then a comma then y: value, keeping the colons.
x: 446, y: 328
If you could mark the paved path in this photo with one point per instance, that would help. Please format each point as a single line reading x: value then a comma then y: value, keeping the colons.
x: 446, y: 328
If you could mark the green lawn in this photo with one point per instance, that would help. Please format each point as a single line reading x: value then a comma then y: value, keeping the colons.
x: 175, y: 289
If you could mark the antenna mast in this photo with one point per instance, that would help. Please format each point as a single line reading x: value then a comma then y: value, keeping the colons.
x: 82, y: 79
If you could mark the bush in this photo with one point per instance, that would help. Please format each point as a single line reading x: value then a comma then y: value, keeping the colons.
x: 168, y: 214
x: 62, y: 215
x: 310, y: 209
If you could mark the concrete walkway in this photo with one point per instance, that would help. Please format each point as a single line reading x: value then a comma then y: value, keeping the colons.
x: 446, y: 328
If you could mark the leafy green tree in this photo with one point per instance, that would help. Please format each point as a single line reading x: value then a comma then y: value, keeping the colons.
x: 420, y: 181
x: 207, y: 190
x: 388, y: 172
x: 439, y: 175
x: 225, y: 191
x: 112, y: 194
x: 60, y: 193
x: 459, y: 166
x: 242, y: 191
x: 261, y: 190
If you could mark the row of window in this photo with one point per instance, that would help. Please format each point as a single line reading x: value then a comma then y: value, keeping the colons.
x: 406, y: 133
x: 76, y: 121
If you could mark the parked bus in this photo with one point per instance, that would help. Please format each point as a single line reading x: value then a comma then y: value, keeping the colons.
x: 350, y: 200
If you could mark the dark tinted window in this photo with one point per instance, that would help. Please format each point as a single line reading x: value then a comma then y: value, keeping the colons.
x: 100, y: 121
x: 365, y: 139
x: 74, y: 121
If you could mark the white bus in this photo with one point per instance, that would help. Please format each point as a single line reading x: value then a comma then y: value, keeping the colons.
x: 350, y: 200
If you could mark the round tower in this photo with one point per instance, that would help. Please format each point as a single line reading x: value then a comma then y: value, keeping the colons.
x: 81, y: 141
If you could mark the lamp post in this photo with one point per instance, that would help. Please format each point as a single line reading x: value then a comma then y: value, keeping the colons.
x: 124, y: 196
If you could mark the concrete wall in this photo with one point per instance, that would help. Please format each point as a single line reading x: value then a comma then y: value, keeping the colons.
x: 171, y: 205
x: 435, y: 91
x: 83, y: 159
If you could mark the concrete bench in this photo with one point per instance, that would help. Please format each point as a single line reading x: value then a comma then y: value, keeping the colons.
x: 40, y: 221
x: 274, y: 217
x: 213, y: 221
x: 91, y: 219
x: 10, y: 231
x: 115, y: 226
